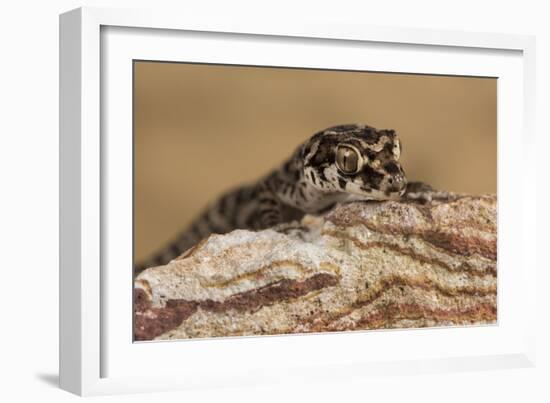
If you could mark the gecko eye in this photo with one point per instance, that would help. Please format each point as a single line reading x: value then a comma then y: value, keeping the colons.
x: 348, y: 159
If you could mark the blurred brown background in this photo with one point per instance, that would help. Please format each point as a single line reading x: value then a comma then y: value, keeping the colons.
x: 201, y: 129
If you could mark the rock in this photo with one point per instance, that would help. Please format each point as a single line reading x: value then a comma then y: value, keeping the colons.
x: 363, y: 265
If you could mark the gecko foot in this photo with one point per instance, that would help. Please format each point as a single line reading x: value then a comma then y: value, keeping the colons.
x: 293, y: 228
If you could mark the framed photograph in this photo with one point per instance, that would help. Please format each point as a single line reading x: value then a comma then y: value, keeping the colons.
x: 248, y: 202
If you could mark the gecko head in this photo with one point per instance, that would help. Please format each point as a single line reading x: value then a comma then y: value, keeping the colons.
x: 355, y: 159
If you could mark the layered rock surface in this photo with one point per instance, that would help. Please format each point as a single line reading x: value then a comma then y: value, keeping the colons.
x: 365, y: 265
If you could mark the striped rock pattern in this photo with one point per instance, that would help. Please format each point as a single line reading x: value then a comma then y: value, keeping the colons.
x: 360, y: 266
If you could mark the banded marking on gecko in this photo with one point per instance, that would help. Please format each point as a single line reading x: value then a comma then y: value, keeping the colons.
x: 344, y: 163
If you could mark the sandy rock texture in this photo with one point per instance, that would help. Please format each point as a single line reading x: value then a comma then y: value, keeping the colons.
x: 366, y: 265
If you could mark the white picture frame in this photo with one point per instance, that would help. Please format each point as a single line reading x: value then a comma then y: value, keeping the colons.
x: 96, y: 354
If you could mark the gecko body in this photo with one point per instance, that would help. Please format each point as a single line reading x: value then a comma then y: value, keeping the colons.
x: 344, y: 163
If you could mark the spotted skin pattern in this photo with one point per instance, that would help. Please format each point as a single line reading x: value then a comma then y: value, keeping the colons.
x: 344, y: 163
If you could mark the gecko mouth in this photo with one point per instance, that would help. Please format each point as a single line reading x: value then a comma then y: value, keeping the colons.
x: 395, y: 194
x: 375, y: 194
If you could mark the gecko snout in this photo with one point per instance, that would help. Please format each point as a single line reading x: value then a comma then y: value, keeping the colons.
x: 397, y: 182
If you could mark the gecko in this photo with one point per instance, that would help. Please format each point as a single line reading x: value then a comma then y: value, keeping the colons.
x: 343, y: 163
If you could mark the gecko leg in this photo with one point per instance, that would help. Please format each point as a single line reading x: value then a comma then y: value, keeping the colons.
x: 424, y: 193
x: 269, y: 212
x: 270, y: 215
